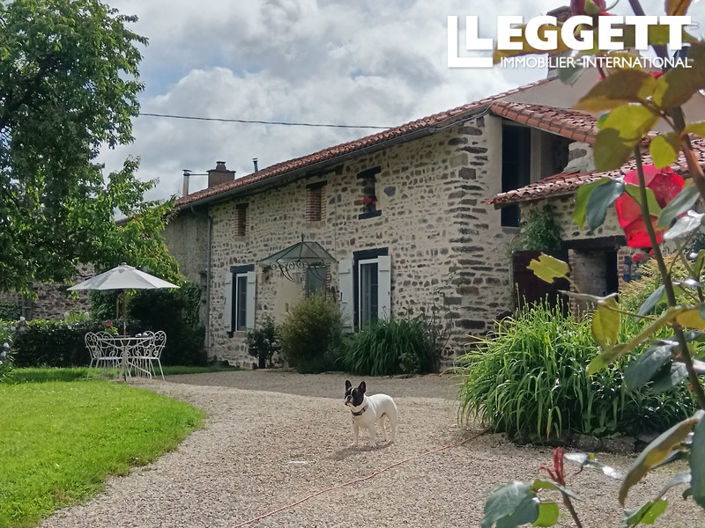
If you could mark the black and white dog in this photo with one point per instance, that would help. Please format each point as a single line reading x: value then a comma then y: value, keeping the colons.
x: 368, y: 411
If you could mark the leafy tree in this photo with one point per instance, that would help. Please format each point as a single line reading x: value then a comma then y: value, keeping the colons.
x: 68, y: 86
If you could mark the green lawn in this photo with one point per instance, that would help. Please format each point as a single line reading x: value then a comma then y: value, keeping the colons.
x: 59, y: 441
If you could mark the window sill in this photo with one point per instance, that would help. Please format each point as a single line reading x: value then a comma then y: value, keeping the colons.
x: 371, y: 214
x: 510, y: 230
x: 237, y: 334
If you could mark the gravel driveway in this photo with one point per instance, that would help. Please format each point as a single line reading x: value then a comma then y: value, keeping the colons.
x: 273, y: 438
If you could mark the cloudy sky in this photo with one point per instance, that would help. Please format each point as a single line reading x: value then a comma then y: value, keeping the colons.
x: 351, y: 62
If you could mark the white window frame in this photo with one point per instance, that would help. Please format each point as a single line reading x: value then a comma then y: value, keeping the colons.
x: 361, y: 263
x: 236, y: 302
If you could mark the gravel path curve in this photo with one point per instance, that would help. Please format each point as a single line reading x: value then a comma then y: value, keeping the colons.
x: 273, y: 438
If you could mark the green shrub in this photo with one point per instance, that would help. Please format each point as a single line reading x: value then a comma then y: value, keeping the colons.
x: 53, y: 343
x: 6, y: 358
x: 10, y: 311
x: 263, y: 343
x: 540, y: 231
x: 401, y: 346
x: 174, y: 311
x: 311, y: 336
x: 529, y: 379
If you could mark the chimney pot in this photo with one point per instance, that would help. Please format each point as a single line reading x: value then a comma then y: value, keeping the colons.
x: 184, y: 191
x: 254, y: 161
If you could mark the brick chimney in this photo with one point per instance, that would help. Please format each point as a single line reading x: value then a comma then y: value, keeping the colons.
x: 220, y: 174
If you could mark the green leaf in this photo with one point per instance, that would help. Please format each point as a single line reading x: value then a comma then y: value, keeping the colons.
x: 671, y: 378
x: 647, y: 365
x: 633, y: 191
x: 696, y: 128
x: 548, y: 514
x: 652, y: 300
x: 685, y: 226
x: 683, y: 201
x: 581, y: 200
x: 679, y: 84
x: 610, y: 151
x: 647, y: 514
x: 548, y: 268
x: 664, y: 149
x: 621, y: 87
x: 677, y: 7
x: 606, y: 322
x: 621, y: 131
x: 691, y: 318
x: 510, y: 503
x: 697, y: 464
x: 608, y: 356
x: 539, y: 484
x: 601, y: 198
x: 656, y: 452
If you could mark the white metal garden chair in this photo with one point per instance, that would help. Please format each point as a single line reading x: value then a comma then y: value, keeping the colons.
x: 150, y: 352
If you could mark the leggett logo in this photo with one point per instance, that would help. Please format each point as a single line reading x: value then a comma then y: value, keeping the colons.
x: 577, y: 33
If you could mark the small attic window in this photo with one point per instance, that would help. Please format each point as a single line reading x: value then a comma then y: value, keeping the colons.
x: 368, y: 184
x: 314, y: 201
x: 241, y: 228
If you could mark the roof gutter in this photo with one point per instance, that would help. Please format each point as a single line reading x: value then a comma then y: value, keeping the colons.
x: 319, y: 166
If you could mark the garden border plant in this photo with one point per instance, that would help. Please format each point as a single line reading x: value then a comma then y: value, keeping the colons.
x: 635, y: 101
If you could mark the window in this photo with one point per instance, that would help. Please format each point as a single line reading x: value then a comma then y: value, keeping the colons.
x: 368, y: 183
x: 314, y: 201
x: 365, y: 288
x: 516, y: 167
x: 240, y: 290
x: 240, y: 302
x: 241, y: 220
x: 315, y: 280
x: 368, y: 292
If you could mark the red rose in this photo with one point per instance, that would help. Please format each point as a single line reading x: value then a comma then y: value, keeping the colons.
x: 665, y: 184
x: 637, y: 257
x: 578, y: 6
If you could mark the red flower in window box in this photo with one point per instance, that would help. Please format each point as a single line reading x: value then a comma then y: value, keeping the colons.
x: 367, y: 200
x: 665, y: 184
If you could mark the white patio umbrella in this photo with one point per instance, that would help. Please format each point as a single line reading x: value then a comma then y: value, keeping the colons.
x: 123, y: 277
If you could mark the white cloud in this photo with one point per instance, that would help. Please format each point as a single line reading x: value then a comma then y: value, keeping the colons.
x: 326, y: 61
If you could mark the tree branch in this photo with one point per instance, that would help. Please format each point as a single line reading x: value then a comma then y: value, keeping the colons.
x: 667, y: 283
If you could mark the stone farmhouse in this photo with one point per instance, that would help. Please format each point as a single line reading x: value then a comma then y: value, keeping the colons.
x: 417, y: 219
x: 414, y: 219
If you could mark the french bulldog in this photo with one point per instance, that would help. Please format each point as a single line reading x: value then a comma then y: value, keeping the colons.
x: 369, y: 411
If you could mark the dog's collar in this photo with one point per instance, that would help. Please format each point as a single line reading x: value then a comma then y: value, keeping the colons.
x: 358, y: 413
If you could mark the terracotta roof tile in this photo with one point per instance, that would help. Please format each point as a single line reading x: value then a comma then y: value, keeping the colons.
x: 573, y: 124
x: 330, y: 154
x: 568, y: 183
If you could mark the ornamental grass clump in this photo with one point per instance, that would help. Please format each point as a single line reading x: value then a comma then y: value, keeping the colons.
x: 403, y: 346
x: 529, y: 379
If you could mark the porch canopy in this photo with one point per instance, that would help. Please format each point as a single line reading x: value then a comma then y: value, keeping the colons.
x: 302, y: 256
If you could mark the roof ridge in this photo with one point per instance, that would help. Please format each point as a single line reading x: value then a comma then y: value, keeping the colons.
x: 331, y: 153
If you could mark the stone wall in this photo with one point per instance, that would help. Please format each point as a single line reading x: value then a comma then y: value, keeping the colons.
x: 187, y: 237
x: 446, y: 244
x: 563, y: 208
x: 52, y: 300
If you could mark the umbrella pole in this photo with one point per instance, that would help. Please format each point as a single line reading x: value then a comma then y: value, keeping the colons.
x: 124, y: 313
x: 124, y: 334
